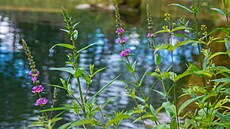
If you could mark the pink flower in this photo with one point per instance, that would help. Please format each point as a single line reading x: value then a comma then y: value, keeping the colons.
x: 31, y: 73
x: 37, y: 89
x: 124, y: 53
x: 118, y: 40
x: 34, y: 79
x: 149, y: 35
x: 120, y: 30
x: 41, y: 101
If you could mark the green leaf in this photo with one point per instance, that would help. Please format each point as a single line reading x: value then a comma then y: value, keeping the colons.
x: 186, y: 103
x: 78, y: 72
x: 36, y: 124
x: 161, y: 126
x: 69, y: 46
x: 157, y: 75
x: 56, y: 109
x: 132, y: 94
x: 170, y: 109
x: 180, y: 28
x: 103, y: 88
x: 227, y: 44
x: 173, y: 124
x: 64, y: 30
x: 64, y: 69
x: 157, y: 59
x: 153, y: 111
x: 129, y: 67
x: 56, y: 86
x: 99, y: 70
x: 88, y: 47
x: 65, y: 126
x: 147, y: 116
x: 163, y: 47
x: 140, y: 99
x: 75, y: 34
x: 134, y: 65
x: 163, y: 31
x: 160, y: 93
x: 56, y: 119
x: 140, y: 83
x: 182, y: 43
x: 218, y: 53
x: 179, y: 5
x: 87, y: 79
x: 224, y: 80
x: 219, y: 11
x: 84, y: 121
x: 117, y: 119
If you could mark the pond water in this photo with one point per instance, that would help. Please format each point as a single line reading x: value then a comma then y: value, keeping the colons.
x: 41, y: 29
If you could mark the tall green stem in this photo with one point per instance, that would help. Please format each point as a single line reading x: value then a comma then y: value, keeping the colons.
x: 81, y: 96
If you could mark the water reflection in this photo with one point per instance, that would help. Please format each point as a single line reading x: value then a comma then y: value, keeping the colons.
x: 15, y: 93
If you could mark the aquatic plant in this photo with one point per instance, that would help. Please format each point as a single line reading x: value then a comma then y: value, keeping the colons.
x: 211, y: 97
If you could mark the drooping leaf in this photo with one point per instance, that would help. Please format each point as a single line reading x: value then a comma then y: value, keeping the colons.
x: 65, y: 45
x: 64, y: 69
x: 183, y: 7
x: 218, y: 53
x: 219, y: 11
x: 88, y: 47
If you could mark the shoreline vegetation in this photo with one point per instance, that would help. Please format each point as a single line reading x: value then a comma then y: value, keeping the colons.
x: 211, y: 94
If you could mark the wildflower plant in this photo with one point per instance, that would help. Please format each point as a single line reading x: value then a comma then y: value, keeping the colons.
x: 211, y: 97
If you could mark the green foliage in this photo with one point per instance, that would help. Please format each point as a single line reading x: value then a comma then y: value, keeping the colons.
x: 211, y: 97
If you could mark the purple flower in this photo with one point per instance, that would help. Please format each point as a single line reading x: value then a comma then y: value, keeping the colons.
x: 37, y: 89
x: 31, y: 73
x: 149, y: 35
x: 120, y: 30
x: 34, y: 79
x: 41, y: 101
x: 124, y: 53
x: 118, y: 40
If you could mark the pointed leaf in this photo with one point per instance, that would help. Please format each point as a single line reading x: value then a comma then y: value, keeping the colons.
x: 64, y: 69
x: 103, y: 88
x: 224, y: 80
x: 88, y: 47
x: 140, y: 83
x: 179, y: 5
x: 186, y: 103
x: 129, y: 67
x: 69, y: 46
x: 219, y: 11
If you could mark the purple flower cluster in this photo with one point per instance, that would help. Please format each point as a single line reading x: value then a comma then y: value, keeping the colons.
x: 34, y: 75
x: 38, y: 88
x: 120, y: 30
x: 41, y: 101
x: 123, y: 40
x: 124, y: 53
